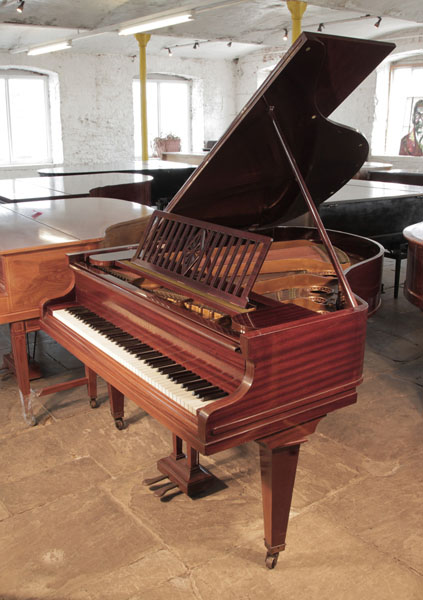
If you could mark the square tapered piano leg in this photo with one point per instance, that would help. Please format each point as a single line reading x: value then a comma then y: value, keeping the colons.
x: 117, y: 402
x: 278, y: 464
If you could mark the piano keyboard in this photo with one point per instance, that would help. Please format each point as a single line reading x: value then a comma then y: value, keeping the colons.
x: 181, y: 385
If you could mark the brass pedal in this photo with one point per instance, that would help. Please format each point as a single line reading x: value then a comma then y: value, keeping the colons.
x: 153, y: 480
x: 166, y: 488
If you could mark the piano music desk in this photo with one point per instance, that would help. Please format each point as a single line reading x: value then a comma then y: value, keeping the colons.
x: 34, y: 240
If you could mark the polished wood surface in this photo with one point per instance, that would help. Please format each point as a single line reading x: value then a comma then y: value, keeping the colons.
x: 125, y: 186
x: 377, y: 210
x: 413, y: 286
x: 135, y: 166
x: 403, y: 176
x: 192, y: 158
x: 374, y: 209
x: 168, y: 176
x: 35, y: 238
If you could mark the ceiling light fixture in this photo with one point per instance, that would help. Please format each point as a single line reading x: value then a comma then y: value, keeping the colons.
x: 285, y: 34
x: 150, y: 24
x: 21, y: 6
x: 379, y: 19
x: 49, y: 48
x: 321, y: 27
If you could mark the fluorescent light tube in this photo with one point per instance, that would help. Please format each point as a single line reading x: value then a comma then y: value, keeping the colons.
x: 49, y: 48
x: 155, y: 24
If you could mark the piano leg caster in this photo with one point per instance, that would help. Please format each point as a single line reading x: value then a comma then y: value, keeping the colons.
x: 93, y: 403
x: 120, y: 424
x: 271, y: 560
x: 26, y: 402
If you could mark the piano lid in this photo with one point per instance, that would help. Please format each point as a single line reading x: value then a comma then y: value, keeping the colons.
x: 246, y: 180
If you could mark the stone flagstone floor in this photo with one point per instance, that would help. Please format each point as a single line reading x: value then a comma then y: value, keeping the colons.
x: 76, y: 523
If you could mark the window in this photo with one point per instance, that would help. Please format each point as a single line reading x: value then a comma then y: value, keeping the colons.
x: 168, y: 110
x: 24, y: 118
x: 401, y: 131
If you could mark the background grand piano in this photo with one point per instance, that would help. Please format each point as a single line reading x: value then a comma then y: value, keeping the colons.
x: 245, y: 362
x: 34, y: 240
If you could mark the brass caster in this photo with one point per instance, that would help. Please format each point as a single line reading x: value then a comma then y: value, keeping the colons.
x: 271, y: 560
x: 120, y: 424
x: 93, y: 403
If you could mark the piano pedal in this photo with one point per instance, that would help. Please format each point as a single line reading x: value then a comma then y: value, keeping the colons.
x: 165, y: 488
x: 153, y: 480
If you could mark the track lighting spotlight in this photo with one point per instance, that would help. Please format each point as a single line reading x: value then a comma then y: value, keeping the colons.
x: 379, y: 19
x: 321, y: 27
x: 285, y: 34
x: 169, y: 51
x: 196, y: 45
x: 229, y: 44
x: 21, y: 6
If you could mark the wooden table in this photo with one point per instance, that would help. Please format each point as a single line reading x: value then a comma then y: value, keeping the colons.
x: 34, y: 240
x: 413, y: 286
x: 124, y: 186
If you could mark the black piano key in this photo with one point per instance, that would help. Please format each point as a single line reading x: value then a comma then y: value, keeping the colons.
x: 160, y: 361
x: 193, y: 379
x: 214, y: 395
x: 111, y: 335
x: 202, y: 393
x: 172, y: 369
x: 146, y: 355
x: 182, y: 375
x: 188, y: 380
x: 77, y: 310
x: 135, y: 349
x: 133, y: 343
x: 196, y: 385
x: 123, y: 337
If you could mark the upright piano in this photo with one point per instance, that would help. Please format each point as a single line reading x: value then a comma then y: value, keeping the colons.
x: 223, y: 324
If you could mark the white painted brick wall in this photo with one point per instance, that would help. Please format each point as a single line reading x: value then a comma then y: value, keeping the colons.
x: 96, y: 101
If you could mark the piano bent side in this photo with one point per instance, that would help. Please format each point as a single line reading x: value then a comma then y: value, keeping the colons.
x: 293, y: 367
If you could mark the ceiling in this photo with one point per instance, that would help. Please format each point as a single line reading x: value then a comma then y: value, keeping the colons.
x: 224, y: 29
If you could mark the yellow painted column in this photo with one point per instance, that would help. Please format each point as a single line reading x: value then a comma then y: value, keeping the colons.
x: 142, y: 39
x: 297, y: 9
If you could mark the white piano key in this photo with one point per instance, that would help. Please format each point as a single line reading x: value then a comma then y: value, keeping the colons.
x: 161, y: 382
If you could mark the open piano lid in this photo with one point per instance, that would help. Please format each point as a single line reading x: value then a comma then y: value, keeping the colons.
x: 246, y: 181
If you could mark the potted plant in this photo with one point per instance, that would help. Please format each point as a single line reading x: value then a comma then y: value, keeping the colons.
x: 167, y: 143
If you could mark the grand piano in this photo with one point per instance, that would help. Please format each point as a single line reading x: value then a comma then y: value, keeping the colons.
x: 223, y: 324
